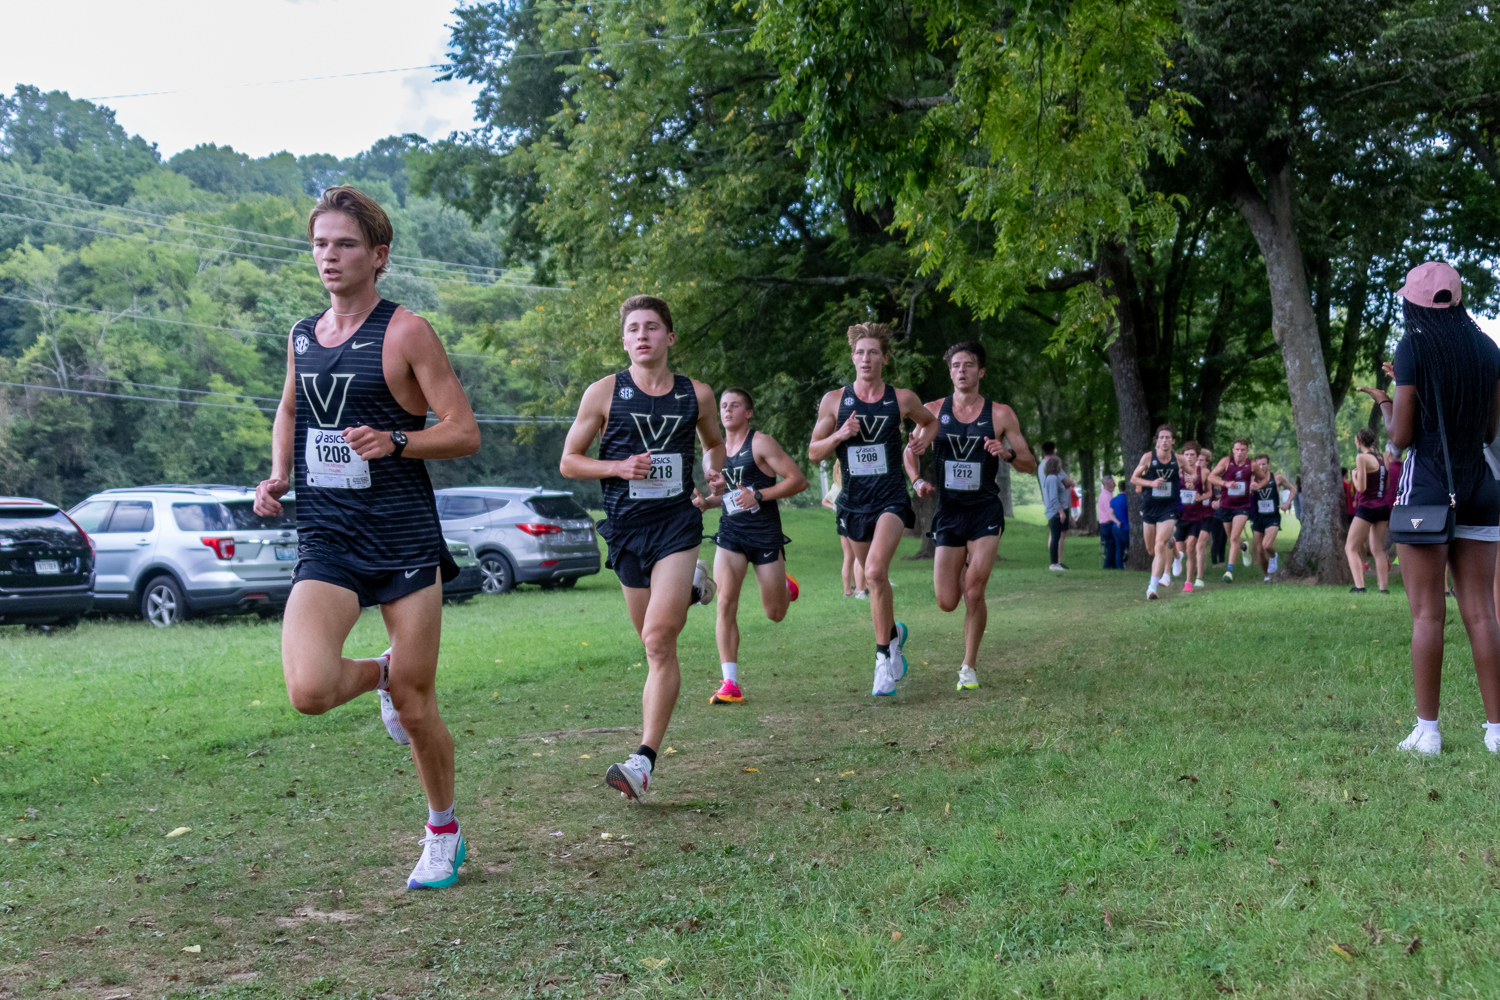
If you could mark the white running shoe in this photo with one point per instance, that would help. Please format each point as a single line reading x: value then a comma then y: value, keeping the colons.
x: 1229, y: 576
x: 1266, y: 580
x: 898, y: 651
x: 1151, y: 594
x: 631, y: 779
x: 967, y: 679
x: 1423, y: 743
x: 1245, y: 553
x: 1176, y: 567
x: 1198, y: 584
x: 703, y: 584
x: 388, y: 713
x: 861, y: 595
x: 885, y: 676
x: 442, y: 853
x: 1275, y: 556
x: 1491, y: 740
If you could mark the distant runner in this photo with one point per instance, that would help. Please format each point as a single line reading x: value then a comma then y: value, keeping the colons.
x: 974, y: 434
x: 749, y: 530
x: 648, y: 417
x: 1265, y: 517
x: 360, y: 378
x: 1159, y: 474
x: 861, y: 423
x: 1192, y: 492
x: 1374, y: 475
x: 1208, y: 495
x: 1232, y: 475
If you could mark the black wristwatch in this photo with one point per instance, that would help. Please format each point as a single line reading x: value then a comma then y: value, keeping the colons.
x: 756, y: 495
x: 1011, y: 460
x: 398, y: 438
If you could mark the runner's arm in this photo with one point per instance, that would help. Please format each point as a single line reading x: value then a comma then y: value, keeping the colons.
x: 927, y: 424
x: 269, y: 493
x: 710, y: 438
x: 1213, y: 474
x: 827, y: 435
x: 1008, y: 431
x: 593, y: 409
x: 1136, y: 478
x: 1357, y: 475
x: 1287, y: 484
x: 768, y: 452
x: 908, y: 460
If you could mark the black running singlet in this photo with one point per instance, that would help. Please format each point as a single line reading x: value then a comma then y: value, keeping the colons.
x: 873, y: 476
x: 1166, y: 471
x: 376, y: 515
x: 966, y: 472
x: 667, y: 427
x: 740, y: 470
x: 1266, y: 495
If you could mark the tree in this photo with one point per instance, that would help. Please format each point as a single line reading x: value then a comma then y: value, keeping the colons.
x: 73, y: 142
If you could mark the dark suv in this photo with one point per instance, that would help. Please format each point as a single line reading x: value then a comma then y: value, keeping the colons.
x: 46, y: 564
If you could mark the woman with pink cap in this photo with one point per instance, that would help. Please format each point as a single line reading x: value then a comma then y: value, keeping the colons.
x: 1447, y: 408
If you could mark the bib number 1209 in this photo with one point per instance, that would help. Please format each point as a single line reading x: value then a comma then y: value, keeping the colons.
x: 332, y: 464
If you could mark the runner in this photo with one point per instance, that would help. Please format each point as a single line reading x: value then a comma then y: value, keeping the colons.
x: 1232, y: 475
x: 853, y: 571
x: 861, y: 423
x: 1372, y: 513
x: 1193, y: 514
x: 1208, y: 497
x: 974, y: 434
x: 1159, y: 474
x: 360, y: 378
x: 647, y: 416
x: 1265, y: 517
x: 749, y: 530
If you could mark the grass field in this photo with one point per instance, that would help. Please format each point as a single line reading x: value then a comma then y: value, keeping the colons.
x: 1193, y: 798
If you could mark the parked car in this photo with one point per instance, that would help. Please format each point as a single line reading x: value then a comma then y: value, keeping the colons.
x: 521, y: 535
x: 470, y: 578
x: 167, y: 552
x: 46, y: 564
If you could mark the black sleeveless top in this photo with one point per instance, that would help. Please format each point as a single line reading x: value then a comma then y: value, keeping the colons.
x: 372, y: 516
x: 740, y: 470
x: 873, y: 476
x: 664, y: 425
x: 1167, y: 470
x: 966, y: 472
x: 1268, y: 492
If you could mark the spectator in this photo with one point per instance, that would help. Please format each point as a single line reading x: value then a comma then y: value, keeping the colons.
x: 1055, y: 503
x: 1119, y: 509
x: 1106, y: 518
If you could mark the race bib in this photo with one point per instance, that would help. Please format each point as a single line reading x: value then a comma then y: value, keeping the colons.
x: 1237, y: 489
x: 1188, y: 496
x: 664, y: 480
x: 732, y: 507
x: 961, y: 475
x: 867, y: 460
x: 332, y: 464
x: 1266, y: 506
x: 1164, y: 490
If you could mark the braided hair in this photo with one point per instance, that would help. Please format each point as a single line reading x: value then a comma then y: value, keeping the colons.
x: 1450, y: 355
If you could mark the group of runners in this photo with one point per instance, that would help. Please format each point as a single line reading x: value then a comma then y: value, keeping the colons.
x: 350, y: 432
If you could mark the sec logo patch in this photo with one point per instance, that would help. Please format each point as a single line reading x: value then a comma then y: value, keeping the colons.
x: 300, y: 343
x: 626, y: 392
x: 945, y: 418
x: 848, y: 401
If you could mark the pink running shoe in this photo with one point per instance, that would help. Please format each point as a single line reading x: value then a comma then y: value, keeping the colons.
x: 1187, y: 588
x: 728, y: 694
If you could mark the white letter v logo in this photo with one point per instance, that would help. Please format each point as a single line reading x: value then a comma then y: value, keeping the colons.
x: 323, y: 409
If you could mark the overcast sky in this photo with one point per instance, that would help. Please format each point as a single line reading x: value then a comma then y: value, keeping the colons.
x: 208, y: 52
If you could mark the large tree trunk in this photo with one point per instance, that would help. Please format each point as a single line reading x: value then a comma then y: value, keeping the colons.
x: 1088, y: 476
x: 1320, y: 548
x: 1130, y: 393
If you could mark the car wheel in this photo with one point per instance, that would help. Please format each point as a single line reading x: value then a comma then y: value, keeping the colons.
x: 499, y: 578
x: 162, y: 603
x: 568, y: 582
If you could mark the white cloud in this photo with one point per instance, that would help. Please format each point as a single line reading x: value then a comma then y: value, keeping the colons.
x: 208, y: 53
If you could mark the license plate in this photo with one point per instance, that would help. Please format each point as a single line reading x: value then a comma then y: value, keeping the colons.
x: 47, y: 566
x: 286, y: 553
x: 576, y: 537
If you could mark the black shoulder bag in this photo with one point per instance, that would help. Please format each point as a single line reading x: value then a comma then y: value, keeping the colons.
x: 1427, y: 524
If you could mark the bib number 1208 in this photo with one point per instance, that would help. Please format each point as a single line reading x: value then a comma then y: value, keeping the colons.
x: 332, y: 464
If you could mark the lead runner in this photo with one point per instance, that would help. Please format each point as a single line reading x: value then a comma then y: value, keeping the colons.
x: 360, y: 378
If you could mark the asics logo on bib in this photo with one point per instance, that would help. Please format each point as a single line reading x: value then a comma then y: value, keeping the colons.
x: 870, y: 427
x: 326, y: 408
x: 656, y: 432
x: 962, y: 447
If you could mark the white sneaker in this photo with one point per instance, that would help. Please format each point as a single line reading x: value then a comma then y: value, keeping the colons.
x: 1492, y: 740
x: 1245, y: 553
x: 1266, y: 580
x: 967, y: 679
x: 703, y: 584
x: 442, y: 853
x: 861, y: 595
x: 631, y: 779
x: 1229, y: 575
x: 1275, y: 556
x: 1198, y: 584
x: 1151, y: 594
x: 388, y: 713
x: 885, y: 677
x: 1423, y: 743
x: 1176, y: 567
x: 1055, y: 568
x: 898, y: 652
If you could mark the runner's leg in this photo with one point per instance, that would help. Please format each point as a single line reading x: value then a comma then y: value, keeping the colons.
x: 319, y: 617
x: 1354, y: 544
x: 1205, y: 543
x: 1165, y: 537
x: 948, y: 575
x: 1268, y: 547
x: 729, y: 574
x: 659, y: 612
x: 877, y: 554
x: 860, y: 583
x: 1148, y: 532
x: 846, y: 571
x: 1378, y: 554
x: 976, y: 578
x: 1237, y: 537
x: 775, y: 598
x: 415, y: 624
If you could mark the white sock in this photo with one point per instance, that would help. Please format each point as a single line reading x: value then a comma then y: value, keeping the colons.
x: 1428, y: 725
x: 1151, y: 587
x: 730, y: 671
x: 437, y: 819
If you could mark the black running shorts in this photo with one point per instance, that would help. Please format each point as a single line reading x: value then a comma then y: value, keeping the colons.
x: 1155, y: 510
x: 1226, y: 515
x: 860, y: 527
x: 379, y: 587
x: 1189, y: 529
x: 955, y: 527
x: 1260, y: 522
x: 636, y: 548
x: 760, y: 551
x: 1375, y: 515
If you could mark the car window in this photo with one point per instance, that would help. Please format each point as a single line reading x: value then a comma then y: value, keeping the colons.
x: 92, y: 515
x: 245, y: 518
x: 452, y: 508
x: 560, y: 508
x: 495, y: 503
x: 46, y: 524
x: 132, y: 515
x: 201, y: 517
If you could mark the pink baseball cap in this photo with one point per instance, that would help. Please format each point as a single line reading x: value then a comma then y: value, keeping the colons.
x: 1434, y: 285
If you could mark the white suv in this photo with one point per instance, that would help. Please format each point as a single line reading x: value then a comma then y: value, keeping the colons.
x: 171, y: 551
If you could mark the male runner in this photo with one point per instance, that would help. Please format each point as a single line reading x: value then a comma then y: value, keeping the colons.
x: 648, y: 417
x: 1211, y: 535
x: 1159, y: 474
x: 360, y: 378
x: 1232, y: 475
x: 1193, y: 498
x: 749, y: 530
x: 974, y: 434
x: 861, y: 423
x: 1268, y: 489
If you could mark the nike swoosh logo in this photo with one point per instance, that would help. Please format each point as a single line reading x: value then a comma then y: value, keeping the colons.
x: 992, y: 527
x: 412, y: 572
x: 681, y: 395
x: 354, y: 346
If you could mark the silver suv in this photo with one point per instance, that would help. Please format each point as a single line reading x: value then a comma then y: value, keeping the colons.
x: 521, y: 535
x: 170, y: 551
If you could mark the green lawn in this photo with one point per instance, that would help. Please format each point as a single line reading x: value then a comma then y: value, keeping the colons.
x: 1191, y: 798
